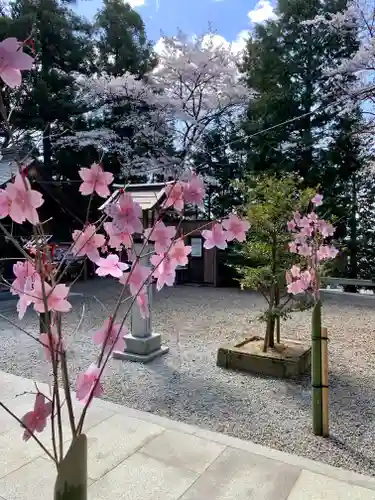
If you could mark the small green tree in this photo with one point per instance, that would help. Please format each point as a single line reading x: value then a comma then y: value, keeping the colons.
x: 270, y: 204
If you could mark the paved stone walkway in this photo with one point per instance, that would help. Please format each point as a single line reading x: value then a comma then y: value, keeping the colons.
x: 138, y: 456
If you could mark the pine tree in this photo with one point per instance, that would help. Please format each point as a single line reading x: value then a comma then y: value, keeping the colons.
x: 351, y: 197
x: 122, y: 41
x: 285, y: 63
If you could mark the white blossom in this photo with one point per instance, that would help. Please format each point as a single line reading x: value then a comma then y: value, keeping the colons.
x: 195, y: 82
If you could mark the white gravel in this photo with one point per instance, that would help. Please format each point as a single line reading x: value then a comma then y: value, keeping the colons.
x: 186, y: 385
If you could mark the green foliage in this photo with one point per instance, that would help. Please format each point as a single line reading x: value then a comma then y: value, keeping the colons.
x: 63, y: 45
x: 271, y: 203
x: 123, y: 44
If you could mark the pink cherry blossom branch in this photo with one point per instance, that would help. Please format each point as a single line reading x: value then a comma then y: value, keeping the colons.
x: 28, y: 429
x: 134, y: 298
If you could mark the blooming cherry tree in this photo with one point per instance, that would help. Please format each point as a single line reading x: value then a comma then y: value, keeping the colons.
x: 357, y: 16
x: 195, y: 82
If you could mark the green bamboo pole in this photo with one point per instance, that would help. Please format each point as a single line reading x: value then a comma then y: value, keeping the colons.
x: 316, y: 369
x: 71, y: 481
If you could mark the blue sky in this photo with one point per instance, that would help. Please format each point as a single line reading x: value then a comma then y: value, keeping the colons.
x: 228, y: 17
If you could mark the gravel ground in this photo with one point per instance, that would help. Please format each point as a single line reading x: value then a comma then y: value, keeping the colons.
x: 186, y: 385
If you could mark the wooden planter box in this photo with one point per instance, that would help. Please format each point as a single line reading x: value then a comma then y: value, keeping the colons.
x: 287, y: 360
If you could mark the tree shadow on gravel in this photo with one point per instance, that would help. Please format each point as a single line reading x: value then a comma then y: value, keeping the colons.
x: 351, y: 409
x: 349, y: 450
x: 209, y: 401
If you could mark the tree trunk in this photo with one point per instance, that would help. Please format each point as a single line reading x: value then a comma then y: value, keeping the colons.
x: 277, y: 318
x: 269, y: 339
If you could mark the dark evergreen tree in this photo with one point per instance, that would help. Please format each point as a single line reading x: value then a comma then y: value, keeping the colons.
x: 122, y: 41
x: 286, y: 62
x: 62, y: 42
x: 221, y: 165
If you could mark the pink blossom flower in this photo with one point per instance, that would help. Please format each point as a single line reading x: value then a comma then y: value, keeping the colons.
x: 23, y: 201
x: 295, y: 271
x: 296, y: 217
x: 174, y: 196
x: 179, y: 252
x: 193, y: 190
x: 111, y: 265
x: 55, y: 297
x: 95, y: 180
x: 162, y: 236
x: 305, y: 250
x: 215, y: 237
x: 291, y: 225
x: 306, y: 231
x: 126, y: 214
x: 27, y: 296
x: 89, y: 382
x: 21, y: 270
x: 306, y: 279
x: 142, y: 301
x: 293, y: 247
x: 36, y: 419
x: 87, y: 242
x: 301, y: 284
x: 317, y: 200
x: 326, y: 252
x: 313, y: 217
x: 325, y: 228
x: 236, y: 228
x: 296, y: 287
x: 165, y: 270
x: 304, y: 222
x: 288, y: 277
x: 12, y: 61
x: 117, y: 238
x: 109, y: 336
x: 52, y: 344
x: 136, y: 278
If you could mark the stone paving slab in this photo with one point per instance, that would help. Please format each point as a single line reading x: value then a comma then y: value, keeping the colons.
x: 238, y: 475
x: 139, y: 456
x: 142, y: 477
x: 183, y: 450
x: 114, y: 440
x: 32, y: 481
x: 310, y: 486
